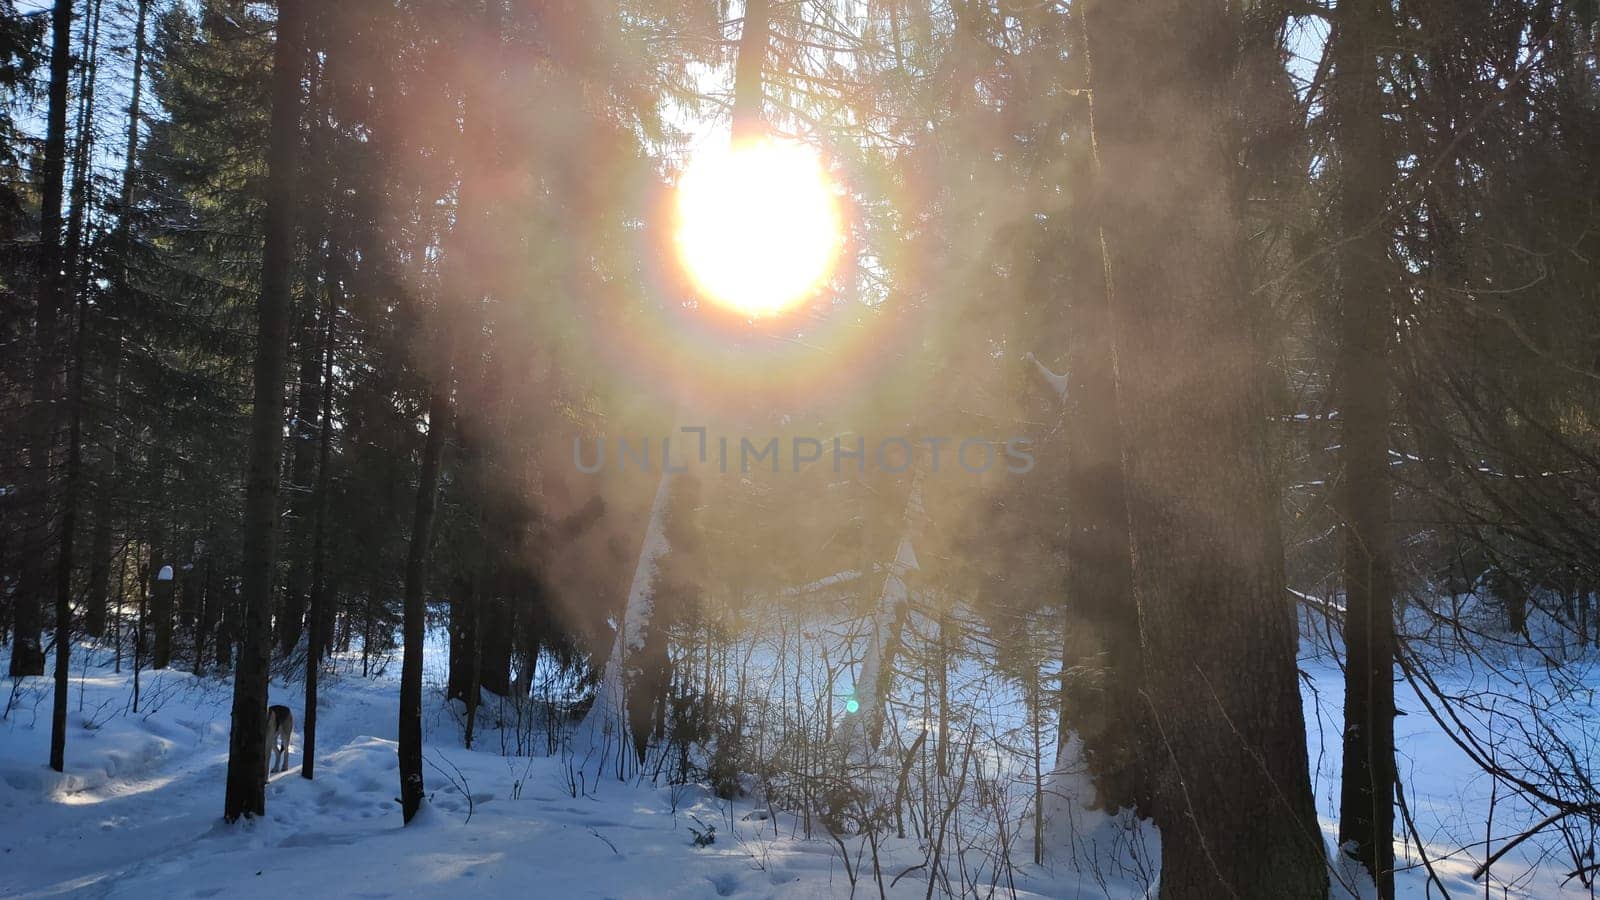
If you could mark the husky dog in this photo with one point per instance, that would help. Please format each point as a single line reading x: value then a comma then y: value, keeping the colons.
x: 280, y: 726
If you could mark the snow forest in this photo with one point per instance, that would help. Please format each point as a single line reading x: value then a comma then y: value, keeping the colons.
x: 800, y: 448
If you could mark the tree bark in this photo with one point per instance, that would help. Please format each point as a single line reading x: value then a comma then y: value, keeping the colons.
x: 74, y: 399
x: 1366, y: 801
x: 1102, y: 661
x: 749, y: 72
x: 247, y: 763
x: 320, y: 611
x: 319, y: 246
x: 1234, y: 804
x: 27, y: 648
x: 416, y: 574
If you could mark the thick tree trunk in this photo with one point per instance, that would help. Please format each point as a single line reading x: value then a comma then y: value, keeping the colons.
x: 1102, y: 667
x: 247, y: 763
x: 1366, y: 804
x: 1234, y: 804
x: 416, y: 586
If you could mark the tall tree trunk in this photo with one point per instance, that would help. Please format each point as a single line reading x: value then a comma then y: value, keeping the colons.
x: 27, y: 650
x: 1366, y: 803
x: 74, y: 400
x: 320, y: 606
x: 247, y: 762
x: 1234, y: 805
x: 1102, y: 667
x: 749, y: 72
x: 69, y: 517
x: 110, y: 444
x: 416, y: 575
x: 318, y: 247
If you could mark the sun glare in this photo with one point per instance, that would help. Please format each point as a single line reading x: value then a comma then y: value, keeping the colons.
x: 758, y: 225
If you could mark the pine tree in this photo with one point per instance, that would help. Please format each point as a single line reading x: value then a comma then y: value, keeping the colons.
x: 27, y: 651
x: 56, y: 281
x: 1234, y: 801
x: 1366, y: 813
x: 411, y: 785
x: 247, y: 763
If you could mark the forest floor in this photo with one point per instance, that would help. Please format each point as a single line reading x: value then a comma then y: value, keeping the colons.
x: 138, y: 812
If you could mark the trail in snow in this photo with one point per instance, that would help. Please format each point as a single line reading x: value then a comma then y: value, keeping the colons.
x: 139, y: 814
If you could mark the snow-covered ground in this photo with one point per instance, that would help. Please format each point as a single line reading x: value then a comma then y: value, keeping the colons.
x: 1514, y: 701
x: 138, y: 812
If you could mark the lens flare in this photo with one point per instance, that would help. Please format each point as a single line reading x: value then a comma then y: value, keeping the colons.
x: 758, y: 225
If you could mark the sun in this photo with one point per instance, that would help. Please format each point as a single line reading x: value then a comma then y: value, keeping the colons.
x: 757, y: 225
